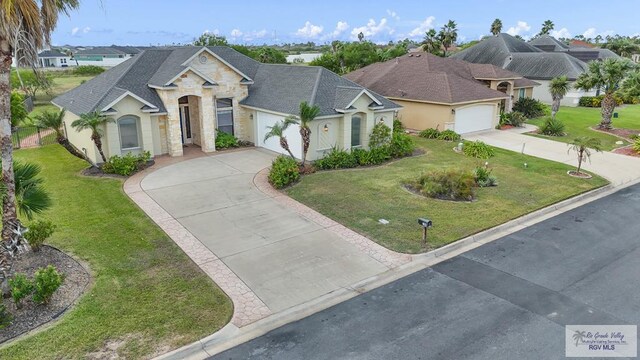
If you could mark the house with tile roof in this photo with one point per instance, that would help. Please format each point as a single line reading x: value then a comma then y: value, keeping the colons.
x: 518, y: 56
x: 445, y: 93
x: 164, y: 99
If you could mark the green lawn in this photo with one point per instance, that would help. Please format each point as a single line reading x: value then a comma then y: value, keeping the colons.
x: 146, y: 292
x: 579, y: 120
x: 61, y: 84
x: 358, y: 198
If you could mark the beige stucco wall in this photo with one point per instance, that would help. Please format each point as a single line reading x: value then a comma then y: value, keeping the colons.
x: 570, y: 99
x: 419, y: 116
x: 81, y: 140
x: 528, y: 92
x: 129, y: 106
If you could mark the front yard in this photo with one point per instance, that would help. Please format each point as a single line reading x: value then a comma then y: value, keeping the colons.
x: 147, y: 296
x: 580, y: 120
x: 358, y: 198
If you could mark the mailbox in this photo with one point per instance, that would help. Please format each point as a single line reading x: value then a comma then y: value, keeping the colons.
x: 615, y: 115
x: 425, y: 223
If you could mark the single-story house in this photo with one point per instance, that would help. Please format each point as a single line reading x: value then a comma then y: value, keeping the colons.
x: 518, y: 56
x: 445, y: 93
x: 54, y: 58
x: 548, y: 43
x: 106, y: 56
x: 166, y: 98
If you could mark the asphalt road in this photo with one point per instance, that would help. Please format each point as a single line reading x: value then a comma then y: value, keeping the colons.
x: 509, y: 299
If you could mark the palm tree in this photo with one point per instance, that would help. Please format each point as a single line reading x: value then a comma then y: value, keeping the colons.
x: 448, y: 35
x: 31, y: 197
x: 431, y: 44
x: 496, y: 27
x: 606, y: 75
x: 307, y: 114
x: 25, y: 27
x: 54, y: 120
x: 583, y: 146
x: 558, y: 87
x: 93, y: 121
x: 547, y: 26
x: 278, y: 129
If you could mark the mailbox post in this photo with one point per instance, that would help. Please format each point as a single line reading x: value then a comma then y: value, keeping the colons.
x: 425, y: 223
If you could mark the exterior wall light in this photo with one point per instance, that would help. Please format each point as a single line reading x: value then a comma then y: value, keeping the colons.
x: 325, y: 128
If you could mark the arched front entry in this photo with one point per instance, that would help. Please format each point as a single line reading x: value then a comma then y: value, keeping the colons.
x: 189, y: 112
x: 507, y: 88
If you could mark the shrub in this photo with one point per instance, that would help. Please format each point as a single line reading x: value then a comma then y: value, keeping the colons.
x: 46, y: 281
x: 88, y: 70
x: 636, y: 146
x: 484, y: 178
x: 21, y: 287
x: 401, y: 145
x: 596, y: 101
x: 337, y: 159
x: 225, y: 140
x: 478, y: 149
x: 515, y: 118
x: 634, y: 137
x: 552, y: 127
x: 429, y: 133
x: 5, y: 317
x: 447, y: 184
x: 126, y: 165
x: 530, y: 107
x: 39, y: 231
x: 449, y: 135
x: 284, y: 171
x: 380, y: 136
x: 374, y: 156
x: 398, y: 126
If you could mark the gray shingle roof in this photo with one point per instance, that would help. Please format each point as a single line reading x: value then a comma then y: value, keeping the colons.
x: 548, y: 43
x: 278, y: 88
x: 51, y: 54
x: 520, y: 57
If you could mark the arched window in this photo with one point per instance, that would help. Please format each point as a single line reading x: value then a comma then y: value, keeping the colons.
x: 129, y: 128
x: 356, y: 129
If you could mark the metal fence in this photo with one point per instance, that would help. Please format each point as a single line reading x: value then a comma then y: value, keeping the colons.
x: 32, y: 136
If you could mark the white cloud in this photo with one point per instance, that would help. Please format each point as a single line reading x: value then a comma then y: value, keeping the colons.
x: 75, y: 30
x: 341, y: 27
x: 309, y: 31
x: 589, y: 33
x: 236, y: 33
x: 86, y: 29
x: 214, y: 32
x: 562, y: 33
x: 253, y: 35
x: 393, y: 14
x: 372, y: 29
x: 260, y: 34
x: 424, y: 26
x: 520, y: 28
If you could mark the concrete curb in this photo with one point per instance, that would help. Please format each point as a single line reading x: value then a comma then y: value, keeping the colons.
x: 231, y: 336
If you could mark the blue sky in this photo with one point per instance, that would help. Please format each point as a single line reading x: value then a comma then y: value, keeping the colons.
x: 145, y: 22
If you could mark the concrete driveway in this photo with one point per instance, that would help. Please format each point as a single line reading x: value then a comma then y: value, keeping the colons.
x: 284, y: 258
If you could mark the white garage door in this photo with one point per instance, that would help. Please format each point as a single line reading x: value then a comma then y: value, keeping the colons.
x: 264, y: 120
x: 474, y: 118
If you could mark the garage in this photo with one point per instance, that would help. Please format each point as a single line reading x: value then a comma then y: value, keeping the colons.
x: 264, y: 121
x: 474, y: 118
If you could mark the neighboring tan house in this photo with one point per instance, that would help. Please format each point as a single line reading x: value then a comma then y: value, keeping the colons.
x: 106, y: 56
x: 445, y: 93
x: 520, y: 57
x: 54, y: 58
x: 165, y: 99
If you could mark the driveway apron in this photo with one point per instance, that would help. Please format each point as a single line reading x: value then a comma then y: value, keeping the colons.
x: 283, y: 257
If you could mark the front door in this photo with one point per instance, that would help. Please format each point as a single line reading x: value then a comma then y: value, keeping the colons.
x: 185, y: 124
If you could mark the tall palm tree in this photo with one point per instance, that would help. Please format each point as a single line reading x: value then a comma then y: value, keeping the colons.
x: 605, y: 75
x: 94, y: 122
x: 431, y: 44
x: 547, y: 26
x: 496, y: 27
x: 307, y: 114
x: 277, y: 130
x: 25, y: 27
x: 558, y: 87
x: 448, y: 35
x: 583, y: 146
x: 54, y: 120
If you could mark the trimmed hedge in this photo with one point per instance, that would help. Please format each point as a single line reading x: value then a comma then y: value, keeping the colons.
x: 596, y: 101
x: 449, y: 184
x: 284, y: 172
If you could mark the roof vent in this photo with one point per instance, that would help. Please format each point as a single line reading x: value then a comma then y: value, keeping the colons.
x: 418, y: 55
x: 402, y: 93
x: 410, y: 55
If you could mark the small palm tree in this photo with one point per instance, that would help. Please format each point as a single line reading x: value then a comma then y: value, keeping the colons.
x: 31, y: 197
x: 448, y: 36
x: 431, y: 43
x: 54, y: 120
x: 496, y: 27
x: 547, y: 26
x: 93, y: 121
x: 558, y: 87
x: 277, y: 130
x: 606, y: 75
x: 307, y: 114
x: 583, y: 146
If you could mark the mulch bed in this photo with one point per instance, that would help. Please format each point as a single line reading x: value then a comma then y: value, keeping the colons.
x: 627, y: 150
x: 97, y: 172
x: 506, y: 127
x: 623, y: 133
x: 580, y: 175
x: 32, y: 315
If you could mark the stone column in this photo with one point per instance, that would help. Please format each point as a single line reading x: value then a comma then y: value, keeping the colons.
x: 207, y: 122
x: 174, y: 133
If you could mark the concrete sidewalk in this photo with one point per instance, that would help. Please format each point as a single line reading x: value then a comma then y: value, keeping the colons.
x: 618, y: 169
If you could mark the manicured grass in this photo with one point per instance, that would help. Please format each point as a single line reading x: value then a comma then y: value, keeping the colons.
x: 579, y: 120
x: 61, y: 84
x: 358, y: 198
x: 146, y: 292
